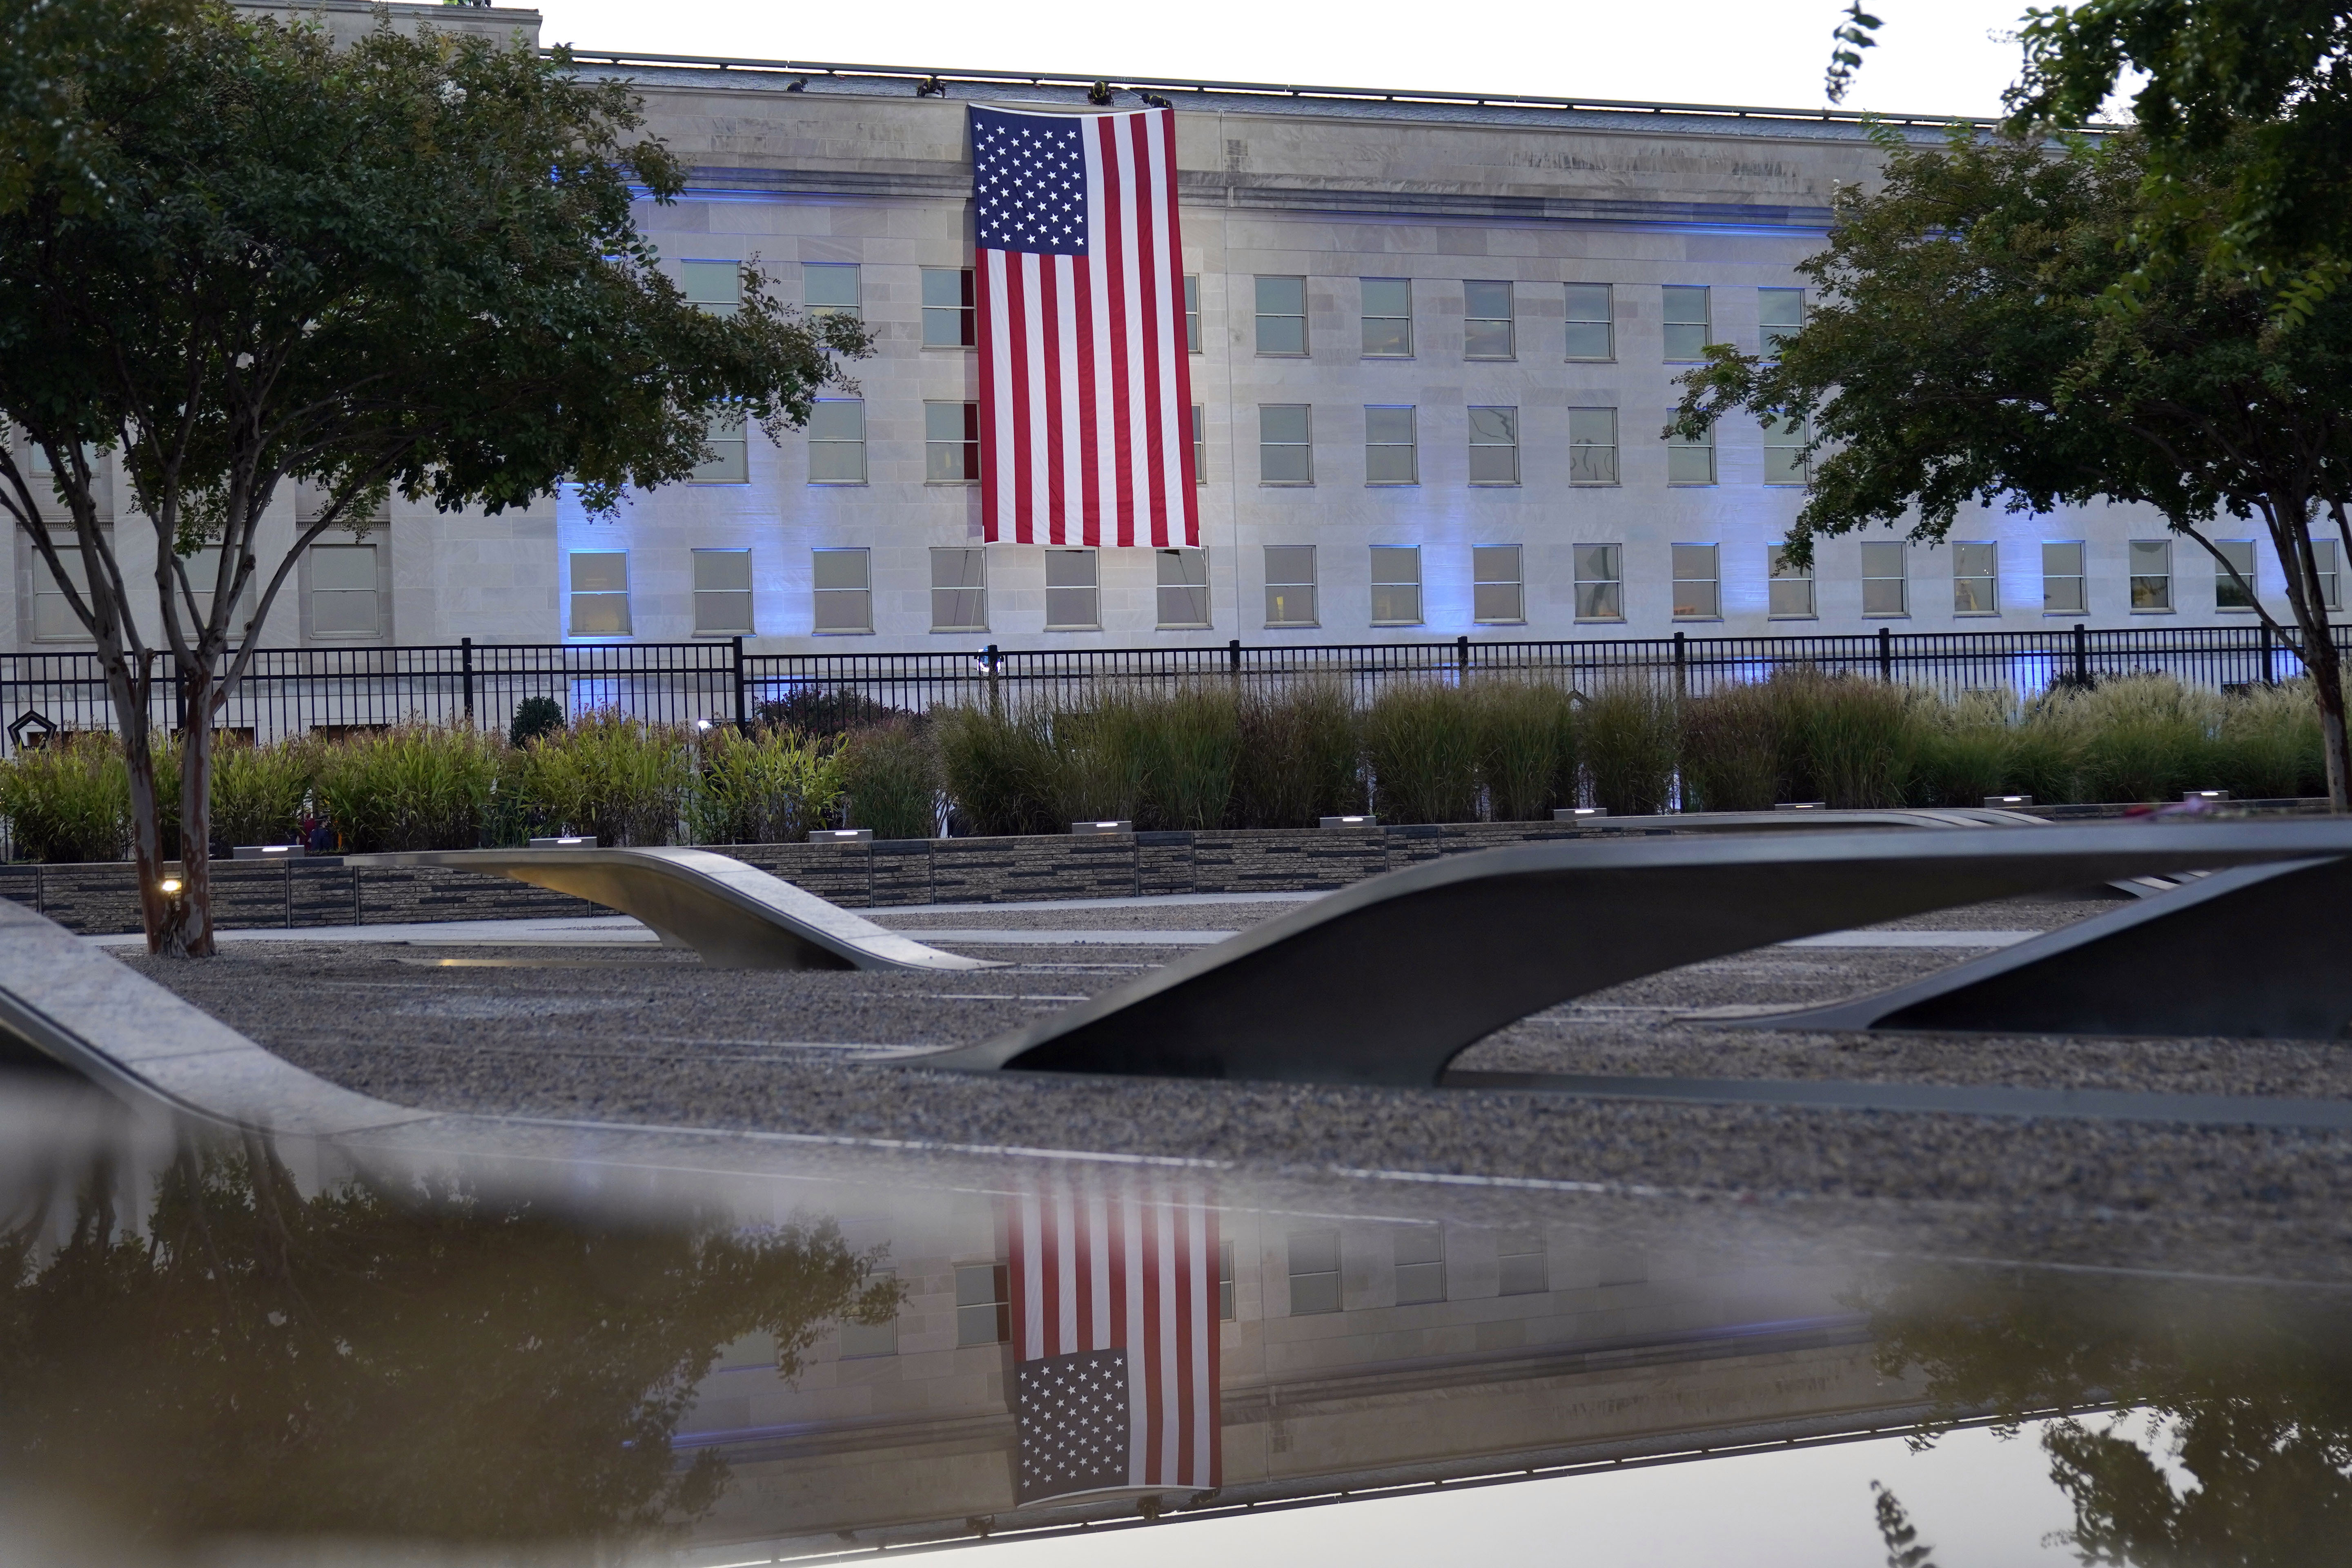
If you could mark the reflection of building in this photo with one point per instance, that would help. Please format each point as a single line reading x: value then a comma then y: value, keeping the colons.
x: 1434, y: 350
x: 1354, y: 1355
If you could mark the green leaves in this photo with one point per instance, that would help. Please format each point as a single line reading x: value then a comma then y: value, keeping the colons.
x: 1852, y: 36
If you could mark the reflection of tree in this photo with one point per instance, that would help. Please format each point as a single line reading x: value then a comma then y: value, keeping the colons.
x: 2250, y: 1389
x: 433, y: 1365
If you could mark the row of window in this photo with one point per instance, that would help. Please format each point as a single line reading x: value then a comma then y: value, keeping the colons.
x: 1286, y: 446
x: 1490, y: 312
x: 342, y: 587
x: 842, y: 589
x: 985, y: 1294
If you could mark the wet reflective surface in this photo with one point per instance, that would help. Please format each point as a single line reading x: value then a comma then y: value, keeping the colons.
x: 220, y: 1347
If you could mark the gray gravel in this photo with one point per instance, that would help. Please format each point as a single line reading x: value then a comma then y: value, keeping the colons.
x: 650, y: 1037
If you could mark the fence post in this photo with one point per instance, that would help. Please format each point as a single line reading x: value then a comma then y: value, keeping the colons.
x: 995, y: 700
x: 2082, y: 655
x: 466, y: 657
x: 1887, y: 654
x: 2269, y: 678
x: 1233, y: 655
x: 180, y: 696
x: 1681, y: 664
x: 1462, y: 658
x: 742, y: 703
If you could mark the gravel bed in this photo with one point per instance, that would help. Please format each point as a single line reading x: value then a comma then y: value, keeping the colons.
x: 1014, y: 917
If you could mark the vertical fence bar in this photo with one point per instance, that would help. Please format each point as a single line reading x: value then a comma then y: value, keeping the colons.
x: 2270, y: 676
x: 2082, y: 655
x: 1887, y: 654
x: 743, y: 691
x: 465, y: 656
x: 1681, y: 664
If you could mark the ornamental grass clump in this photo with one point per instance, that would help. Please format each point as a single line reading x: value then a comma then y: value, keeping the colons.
x: 889, y: 773
x: 1844, y: 740
x: 2139, y: 738
x: 1730, y: 749
x: 1099, y: 748
x: 998, y: 768
x: 767, y: 787
x: 1628, y: 733
x: 610, y: 775
x: 2268, y: 745
x: 413, y: 786
x: 1968, y: 749
x: 1299, y: 758
x: 68, y: 800
x: 260, y: 794
x: 1190, y: 738
x: 1526, y: 748
x: 1420, y: 746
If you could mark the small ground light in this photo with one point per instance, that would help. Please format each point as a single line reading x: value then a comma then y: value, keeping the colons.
x: 1351, y: 822
x: 1998, y: 801
x: 169, y: 887
x: 2210, y: 796
x: 1577, y: 812
x: 586, y: 842
x: 702, y: 723
x: 1800, y: 805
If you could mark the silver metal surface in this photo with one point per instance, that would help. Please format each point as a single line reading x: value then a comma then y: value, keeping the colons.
x: 736, y: 916
x: 1386, y: 982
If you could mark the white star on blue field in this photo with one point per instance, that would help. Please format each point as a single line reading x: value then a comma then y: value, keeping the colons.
x: 1029, y: 177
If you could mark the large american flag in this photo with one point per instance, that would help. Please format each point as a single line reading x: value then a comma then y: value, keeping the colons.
x: 1115, y: 1325
x: 1085, y: 396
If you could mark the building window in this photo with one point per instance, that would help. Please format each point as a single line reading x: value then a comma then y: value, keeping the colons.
x: 2062, y: 579
x: 1591, y: 321
x: 1183, y: 588
x: 722, y: 592
x: 1691, y: 462
x: 1282, y: 315
x: 1290, y: 585
x: 713, y: 285
x: 1885, y: 584
x: 600, y: 594
x: 1525, y: 1268
x: 1191, y: 312
x: 836, y: 441
x: 1200, y: 445
x: 1592, y: 446
x: 960, y: 589
x: 2230, y: 593
x: 2323, y: 555
x: 727, y: 439
x: 983, y: 1303
x: 1789, y: 595
x: 1225, y: 1313
x: 1390, y: 457
x: 53, y: 616
x: 1286, y: 452
x: 1396, y: 584
x: 1486, y: 327
x: 201, y: 569
x: 1388, y: 318
x: 830, y: 288
x: 1784, y: 452
x: 1497, y: 591
x: 1600, y: 582
x: 346, y: 591
x: 844, y: 590
x: 1420, y: 1265
x: 1494, y: 446
x: 1313, y: 1272
x: 860, y: 1340
x: 1976, y: 579
x: 950, y: 443
x: 1698, y: 583
x: 1686, y: 323
x: 1779, y: 314
x: 1072, y: 599
x: 2152, y: 574
x: 950, y: 321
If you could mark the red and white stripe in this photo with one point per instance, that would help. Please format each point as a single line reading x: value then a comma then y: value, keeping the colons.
x: 1086, y: 389
x: 1100, y: 1270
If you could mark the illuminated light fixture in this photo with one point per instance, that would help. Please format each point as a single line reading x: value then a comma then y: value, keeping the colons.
x: 269, y: 852
x: 1800, y: 805
x: 2210, y: 796
x: 169, y: 887
x: 702, y: 723
x: 1577, y: 812
x: 1121, y: 826
x: 585, y: 841
x: 2011, y: 801
x: 1366, y: 821
x: 841, y: 835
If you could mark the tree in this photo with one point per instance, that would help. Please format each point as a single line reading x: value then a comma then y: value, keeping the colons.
x: 257, y: 262
x: 1966, y: 347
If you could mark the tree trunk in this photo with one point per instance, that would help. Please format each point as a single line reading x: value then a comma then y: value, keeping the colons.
x: 195, y: 905
x: 2327, y: 685
x: 157, y: 909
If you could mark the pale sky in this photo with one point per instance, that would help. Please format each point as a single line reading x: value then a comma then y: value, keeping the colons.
x: 1936, y: 57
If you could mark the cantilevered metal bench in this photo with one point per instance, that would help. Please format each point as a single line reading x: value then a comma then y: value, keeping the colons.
x: 736, y: 916
x: 1386, y: 982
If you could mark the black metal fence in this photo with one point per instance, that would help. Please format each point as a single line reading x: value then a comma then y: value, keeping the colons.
x: 293, y: 690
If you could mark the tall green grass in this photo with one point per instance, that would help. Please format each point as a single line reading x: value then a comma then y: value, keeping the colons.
x: 1190, y: 742
x: 69, y: 800
x: 624, y: 781
x: 767, y: 787
x: 1422, y: 747
x: 999, y: 769
x: 1299, y: 756
x: 415, y: 786
x: 1526, y: 748
x: 1629, y: 736
x: 1730, y: 750
x: 260, y: 794
x: 890, y: 774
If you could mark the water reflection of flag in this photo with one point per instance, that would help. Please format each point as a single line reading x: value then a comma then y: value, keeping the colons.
x: 1115, y: 1325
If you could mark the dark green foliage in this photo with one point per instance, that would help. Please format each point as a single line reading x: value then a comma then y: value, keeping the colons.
x: 768, y: 787
x: 1731, y: 749
x: 1300, y: 758
x: 260, y: 791
x: 999, y: 770
x: 1627, y: 734
x: 1421, y: 747
x: 534, y: 717
x: 891, y: 775
x: 833, y: 710
x: 413, y: 787
x: 1190, y: 742
x: 1526, y: 748
x: 68, y: 800
x: 1846, y: 741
